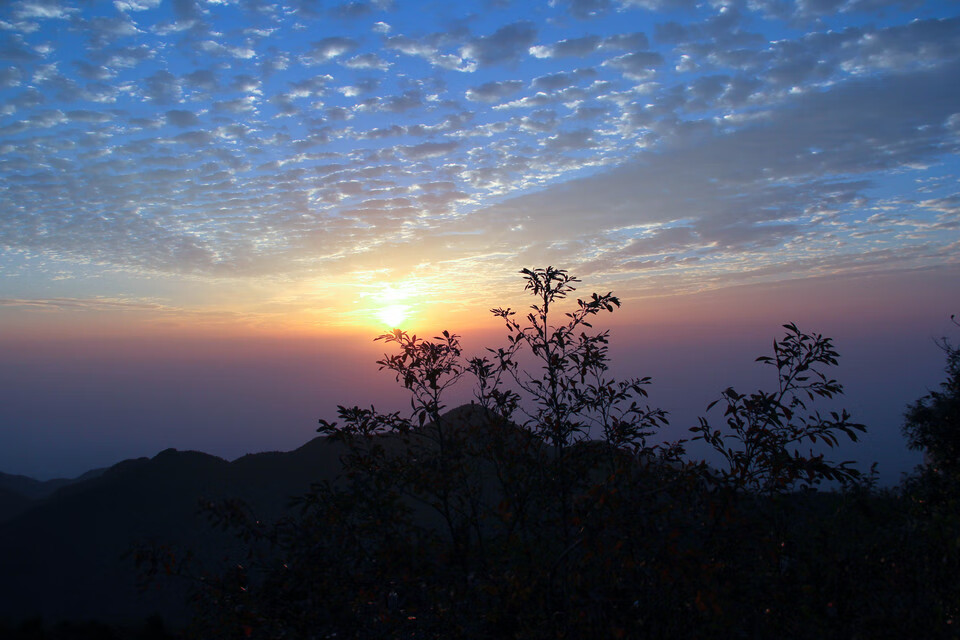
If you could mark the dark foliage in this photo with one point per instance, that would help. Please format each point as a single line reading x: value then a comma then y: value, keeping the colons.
x: 932, y: 423
x: 545, y: 510
x: 152, y: 628
x: 766, y: 429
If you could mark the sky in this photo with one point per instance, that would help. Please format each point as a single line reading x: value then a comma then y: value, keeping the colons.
x: 209, y: 208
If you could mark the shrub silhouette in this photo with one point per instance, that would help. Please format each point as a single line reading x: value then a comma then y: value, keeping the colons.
x: 543, y: 509
x: 932, y: 423
x: 767, y: 428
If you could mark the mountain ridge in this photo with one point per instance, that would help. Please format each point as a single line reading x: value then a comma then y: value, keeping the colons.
x: 66, y: 554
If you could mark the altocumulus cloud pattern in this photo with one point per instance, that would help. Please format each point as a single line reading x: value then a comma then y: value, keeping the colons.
x: 688, y: 144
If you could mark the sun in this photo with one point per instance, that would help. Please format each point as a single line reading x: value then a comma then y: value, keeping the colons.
x: 393, y: 315
x: 393, y: 305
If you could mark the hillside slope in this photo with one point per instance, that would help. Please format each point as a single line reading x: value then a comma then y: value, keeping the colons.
x: 67, y: 557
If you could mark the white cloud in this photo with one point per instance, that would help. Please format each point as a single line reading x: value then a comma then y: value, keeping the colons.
x: 574, y: 47
x: 136, y: 5
x: 639, y: 66
x: 367, y: 61
x: 41, y: 9
x: 430, y: 53
x: 327, y: 49
x: 237, y: 105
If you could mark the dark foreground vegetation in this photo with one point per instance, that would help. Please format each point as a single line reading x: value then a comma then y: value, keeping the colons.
x: 551, y: 508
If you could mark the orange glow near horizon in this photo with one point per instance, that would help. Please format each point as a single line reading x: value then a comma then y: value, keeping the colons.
x: 359, y: 311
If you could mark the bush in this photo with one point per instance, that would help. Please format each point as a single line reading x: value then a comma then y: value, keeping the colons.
x: 543, y: 510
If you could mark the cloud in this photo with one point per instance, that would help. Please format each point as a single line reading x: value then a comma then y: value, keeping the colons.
x: 507, y: 45
x: 723, y: 30
x: 38, y: 120
x: 136, y: 5
x: 362, y: 86
x: 639, y: 66
x: 186, y: 9
x: 383, y: 132
x: 327, y: 49
x: 493, y: 91
x: 87, y: 115
x: 283, y: 102
x: 453, y: 123
x: 408, y: 100
x: 246, y: 104
x: 310, y: 87
x: 807, y: 9
x: 180, y: 118
x: 163, y: 88
x: 245, y: 83
x: 13, y: 52
x: 103, y: 31
x: 212, y: 138
x: 429, y: 150
x: 192, y: 138
x: 570, y: 141
x: 93, y: 72
x: 441, y: 201
x: 586, y: 9
x: 429, y: 51
x: 917, y: 44
x: 204, y: 79
x: 367, y: 61
x: 626, y: 41
x: 10, y: 77
x: 539, y: 99
x: 84, y: 304
x: 338, y: 113
x: 572, y: 48
x: 242, y: 52
x: 553, y: 81
x: 120, y: 237
x: 188, y: 17
x: 589, y: 113
x: 359, y: 8
x: 41, y: 9
x: 756, y: 187
x: 127, y: 57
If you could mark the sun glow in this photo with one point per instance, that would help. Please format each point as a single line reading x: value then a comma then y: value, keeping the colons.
x: 394, y: 315
x: 392, y: 305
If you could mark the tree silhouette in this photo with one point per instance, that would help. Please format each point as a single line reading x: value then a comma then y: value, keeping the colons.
x: 932, y: 423
x: 544, y: 510
x: 765, y: 430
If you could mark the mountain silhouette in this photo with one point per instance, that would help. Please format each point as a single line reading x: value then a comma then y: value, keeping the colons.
x: 12, y: 504
x: 19, y: 492
x: 66, y: 553
x: 65, y: 549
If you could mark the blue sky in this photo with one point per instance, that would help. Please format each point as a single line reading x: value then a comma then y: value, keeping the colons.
x: 311, y: 164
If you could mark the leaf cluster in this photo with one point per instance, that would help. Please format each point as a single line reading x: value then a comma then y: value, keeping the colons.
x: 932, y: 423
x: 766, y: 431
